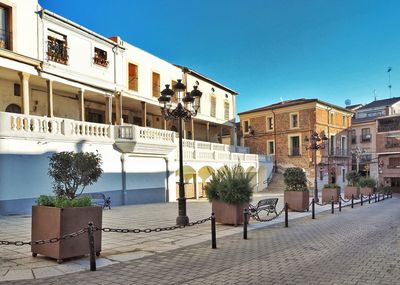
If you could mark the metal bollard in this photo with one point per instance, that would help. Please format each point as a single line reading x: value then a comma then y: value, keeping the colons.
x: 245, y: 219
x: 361, y: 199
x: 286, y: 215
x: 369, y: 198
x: 340, y: 203
x: 313, y: 208
x: 375, y: 197
x: 332, y: 206
x: 213, y: 232
x: 91, y: 247
x: 352, y: 200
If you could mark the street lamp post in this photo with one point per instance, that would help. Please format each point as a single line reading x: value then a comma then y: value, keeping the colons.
x: 314, y: 143
x: 188, y: 106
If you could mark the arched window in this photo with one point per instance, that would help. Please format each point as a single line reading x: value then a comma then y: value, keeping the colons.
x: 13, y: 108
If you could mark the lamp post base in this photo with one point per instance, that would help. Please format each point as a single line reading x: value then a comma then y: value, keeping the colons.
x: 182, y: 220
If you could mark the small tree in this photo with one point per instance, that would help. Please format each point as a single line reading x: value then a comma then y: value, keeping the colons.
x: 352, y: 178
x: 367, y: 182
x: 295, y: 179
x: 71, y: 171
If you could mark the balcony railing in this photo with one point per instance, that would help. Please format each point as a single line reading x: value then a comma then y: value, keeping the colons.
x: 5, y: 39
x: 100, y: 61
x: 340, y: 152
x: 365, y: 138
x: 392, y: 144
x: 389, y: 127
x: 294, y: 151
x: 57, y: 51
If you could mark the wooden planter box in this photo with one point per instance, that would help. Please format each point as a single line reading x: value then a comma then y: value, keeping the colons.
x: 328, y: 193
x: 230, y: 214
x: 351, y: 190
x: 297, y: 200
x: 50, y: 222
x: 365, y: 191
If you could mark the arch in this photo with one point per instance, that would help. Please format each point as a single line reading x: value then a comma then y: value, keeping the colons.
x: 13, y: 108
x: 189, y: 178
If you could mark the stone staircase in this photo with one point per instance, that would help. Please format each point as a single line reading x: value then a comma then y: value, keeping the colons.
x: 277, y: 184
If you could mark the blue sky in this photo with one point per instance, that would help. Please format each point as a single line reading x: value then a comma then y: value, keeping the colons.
x: 265, y: 49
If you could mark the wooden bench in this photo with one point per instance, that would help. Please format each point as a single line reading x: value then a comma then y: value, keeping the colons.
x: 100, y: 199
x: 268, y: 205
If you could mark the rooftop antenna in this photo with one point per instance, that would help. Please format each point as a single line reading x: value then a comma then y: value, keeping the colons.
x: 390, y: 85
x: 347, y: 102
x: 374, y: 94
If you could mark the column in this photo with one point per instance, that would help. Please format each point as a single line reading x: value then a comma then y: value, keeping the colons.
x: 108, y: 110
x: 144, y: 114
x: 50, y: 99
x: 118, y: 108
x: 81, y: 97
x: 192, y: 128
x: 24, y: 78
x: 164, y: 123
x: 232, y: 132
x: 208, y: 131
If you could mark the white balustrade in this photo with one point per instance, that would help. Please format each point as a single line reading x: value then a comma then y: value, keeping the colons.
x: 218, y: 146
x: 203, y: 145
x: 153, y: 136
x: 87, y: 129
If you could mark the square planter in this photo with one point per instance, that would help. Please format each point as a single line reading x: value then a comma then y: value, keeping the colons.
x: 230, y: 214
x: 365, y: 191
x: 328, y: 193
x: 351, y: 190
x: 297, y: 200
x: 50, y: 222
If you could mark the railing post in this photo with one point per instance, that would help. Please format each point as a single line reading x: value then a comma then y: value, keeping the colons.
x: 313, y: 208
x: 340, y: 203
x: 245, y: 219
x: 213, y: 232
x: 91, y: 247
x: 286, y: 215
x: 369, y: 198
x: 332, y: 206
x: 361, y: 199
x: 352, y: 200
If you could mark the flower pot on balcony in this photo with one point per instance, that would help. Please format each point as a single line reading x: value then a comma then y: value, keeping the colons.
x: 297, y: 200
x: 330, y: 192
x: 229, y: 214
x: 365, y: 191
x: 50, y: 222
x: 351, y: 190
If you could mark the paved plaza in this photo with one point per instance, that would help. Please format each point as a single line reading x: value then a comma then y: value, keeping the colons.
x: 355, y: 246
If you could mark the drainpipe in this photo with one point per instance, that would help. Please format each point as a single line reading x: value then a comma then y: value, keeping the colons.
x: 329, y: 144
x: 275, y: 154
x: 123, y: 176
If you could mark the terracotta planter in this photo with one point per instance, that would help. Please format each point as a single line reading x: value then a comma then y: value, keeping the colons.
x: 230, y: 214
x: 328, y: 193
x: 365, y: 191
x: 351, y: 190
x: 297, y: 200
x: 50, y: 222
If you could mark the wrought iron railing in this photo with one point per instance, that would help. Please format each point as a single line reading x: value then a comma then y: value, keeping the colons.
x: 57, y: 51
x: 365, y: 138
x: 5, y: 39
x: 389, y: 127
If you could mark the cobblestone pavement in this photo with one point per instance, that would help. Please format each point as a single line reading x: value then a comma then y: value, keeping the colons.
x: 355, y: 246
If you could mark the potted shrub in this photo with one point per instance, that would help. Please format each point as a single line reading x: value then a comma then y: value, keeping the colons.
x: 229, y: 191
x: 367, y: 185
x: 296, y: 192
x: 329, y: 191
x: 352, y: 178
x: 67, y: 211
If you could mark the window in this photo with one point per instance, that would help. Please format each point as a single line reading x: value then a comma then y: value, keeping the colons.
x: 331, y: 119
x: 5, y: 27
x: 343, y: 121
x: 294, y: 149
x: 365, y: 135
x: 132, y: 77
x: 332, y: 145
x: 17, y: 89
x: 294, y: 120
x: 246, y: 126
x: 343, y: 175
x: 270, y: 123
x: 392, y: 141
x: 213, y: 107
x: 226, y: 111
x: 353, y: 136
x: 100, y: 57
x: 13, y: 108
x: 156, y: 84
x: 57, y: 47
x: 321, y: 175
x: 394, y: 162
x: 270, y: 147
x: 95, y: 116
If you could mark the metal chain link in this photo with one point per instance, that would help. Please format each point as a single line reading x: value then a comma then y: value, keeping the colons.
x: 322, y: 204
x: 257, y: 218
x: 44, y: 241
x: 343, y: 200
x: 146, y: 231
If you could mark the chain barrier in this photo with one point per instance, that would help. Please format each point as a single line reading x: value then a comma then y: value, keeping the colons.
x: 146, y: 231
x: 257, y: 218
x: 322, y: 204
x: 44, y: 241
x: 343, y: 200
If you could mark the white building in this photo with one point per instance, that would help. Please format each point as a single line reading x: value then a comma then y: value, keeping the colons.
x: 64, y: 87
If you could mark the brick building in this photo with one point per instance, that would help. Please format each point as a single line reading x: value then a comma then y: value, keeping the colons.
x: 280, y: 130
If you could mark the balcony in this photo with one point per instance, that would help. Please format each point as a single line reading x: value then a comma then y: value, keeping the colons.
x: 57, y: 51
x: 5, y: 39
x: 344, y: 152
x: 100, y: 61
x: 365, y: 138
x: 389, y: 127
